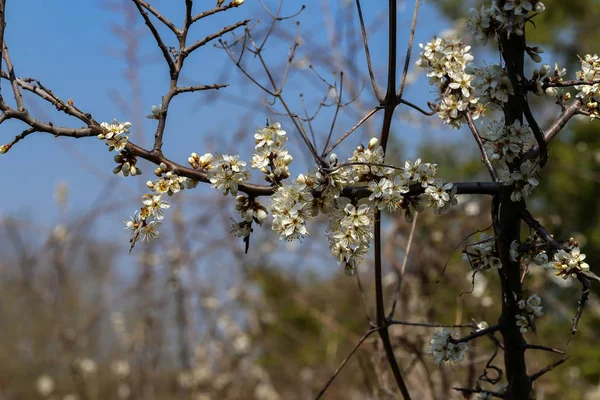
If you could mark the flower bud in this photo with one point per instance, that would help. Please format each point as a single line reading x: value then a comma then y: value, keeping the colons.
x: 4, y: 148
x: 373, y: 143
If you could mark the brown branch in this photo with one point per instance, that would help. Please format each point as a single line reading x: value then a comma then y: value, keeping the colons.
x: 167, y: 22
x: 545, y: 348
x: 400, y: 271
x: 2, y: 27
x: 411, y: 39
x: 547, y: 369
x: 484, y: 157
x: 356, y: 126
x: 479, y: 333
x: 186, y: 89
x: 585, y: 292
x: 368, y: 53
x: 161, y: 45
x: 186, y: 51
x: 343, y: 364
x: 207, y: 13
x: 12, y: 77
x: 427, y: 325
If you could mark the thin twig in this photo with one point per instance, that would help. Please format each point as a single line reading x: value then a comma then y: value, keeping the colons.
x: 403, y: 266
x: 411, y: 39
x: 484, y: 157
x: 547, y: 369
x: 343, y: 364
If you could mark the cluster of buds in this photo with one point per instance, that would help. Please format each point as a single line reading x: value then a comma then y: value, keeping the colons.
x: 203, y: 163
x: 168, y: 182
x: 542, y: 78
x: 114, y: 135
x: 270, y: 157
x: 251, y: 211
x: 126, y: 164
x: 483, y: 255
x: 529, y: 310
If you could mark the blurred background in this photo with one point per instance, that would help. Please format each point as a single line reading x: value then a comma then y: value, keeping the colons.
x: 191, y: 315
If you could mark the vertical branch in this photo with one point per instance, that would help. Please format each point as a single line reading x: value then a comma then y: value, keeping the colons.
x: 411, y: 38
x: 507, y: 231
x: 2, y: 27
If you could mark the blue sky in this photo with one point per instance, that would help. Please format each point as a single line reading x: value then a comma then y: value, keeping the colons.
x: 71, y: 47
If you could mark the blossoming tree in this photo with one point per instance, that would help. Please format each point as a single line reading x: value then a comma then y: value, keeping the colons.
x: 355, y: 191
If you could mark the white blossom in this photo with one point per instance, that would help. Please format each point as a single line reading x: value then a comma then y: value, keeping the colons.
x: 569, y: 263
x: 442, y: 347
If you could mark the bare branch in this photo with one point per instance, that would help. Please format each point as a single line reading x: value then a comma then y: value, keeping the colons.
x: 12, y: 77
x: 215, y: 10
x: 368, y: 53
x: 161, y: 45
x: 545, y: 348
x: 343, y: 364
x: 212, y: 37
x: 411, y: 39
x: 549, y: 368
x: 484, y: 157
x: 187, y: 89
x: 160, y: 17
x: 402, y: 268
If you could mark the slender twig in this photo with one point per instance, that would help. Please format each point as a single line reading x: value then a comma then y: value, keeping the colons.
x: 585, y: 292
x: 335, y: 115
x: 400, y: 272
x: 368, y: 53
x: 208, y: 13
x: 213, y: 36
x: 167, y: 22
x: 432, y: 106
x: 185, y: 89
x: 474, y: 391
x: 343, y: 364
x: 409, y: 48
x: 12, y: 77
x: 549, y: 368
x: 479, y: 333
x: 2, y: 27
x: 484, y: 157
x: 363, y: 298
x: 427, y: 325
x: 545, y: 348
x: 161, y: 45
x: 349, y: 132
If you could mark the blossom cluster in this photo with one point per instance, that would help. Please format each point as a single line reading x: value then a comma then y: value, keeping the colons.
x: 507, y: 19
x: 126, y: 164
x: 492, y: 84
x: 530, y: 308
x: 503, y: 144
x: 227, y: 173
x: 590, y: 71
x: 114, y: 135
x: 569, y: 263
x: 483, y: 255
x: 443, y: 347
x: 542, y: 78
x: 294, y: 203
x: 270, y: 157
x: 291, y: 207
x: 446, y: 62
x: 250, y: 211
